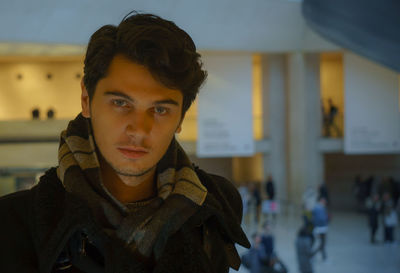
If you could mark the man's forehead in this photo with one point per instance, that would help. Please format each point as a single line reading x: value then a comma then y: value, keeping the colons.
x: 124, y: 75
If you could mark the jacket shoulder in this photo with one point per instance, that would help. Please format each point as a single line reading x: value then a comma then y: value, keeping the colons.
x: 15, y: 203
x: 224, y: 192
x: 17, y: 249
x: 20, y: 204
x: 224, y: 230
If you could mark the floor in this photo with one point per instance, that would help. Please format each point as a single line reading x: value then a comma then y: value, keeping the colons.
x: 348, y: 247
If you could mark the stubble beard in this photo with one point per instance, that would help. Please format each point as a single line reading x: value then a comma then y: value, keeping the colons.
x: 128, y: 176
x: 127, y: 173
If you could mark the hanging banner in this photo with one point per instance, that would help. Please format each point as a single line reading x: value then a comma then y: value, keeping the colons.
x: 372, y: 117
x: 225, y: 121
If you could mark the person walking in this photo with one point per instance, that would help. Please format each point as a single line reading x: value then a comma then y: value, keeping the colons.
x: 245, y: 195
x: 270, y: 206
x: 390, y: 221
x: 270, y: 188
x: 373, y: 207
x: 304, y: 242
x: 320, y: 221
x: 273, y: 263
x: 256, y: 259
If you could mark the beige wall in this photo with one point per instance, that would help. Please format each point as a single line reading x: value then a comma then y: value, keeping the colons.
x: 18, y: 96
x: 7, y: 185
x: 25, y: 85
x: 220, y: 166
x: 248, y: 169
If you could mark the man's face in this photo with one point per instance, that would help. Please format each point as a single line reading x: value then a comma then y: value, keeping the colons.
x: 134, y: 117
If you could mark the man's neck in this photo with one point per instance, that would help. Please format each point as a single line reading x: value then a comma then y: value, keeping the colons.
x: 128, y: 189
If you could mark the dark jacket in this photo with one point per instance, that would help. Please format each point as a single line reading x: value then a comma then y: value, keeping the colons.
x: 256, y: 259
x: 304, y: 253
x: 41, y: 225
x: 320, y: 216
x: 267, y: 241
x: 270, y: 189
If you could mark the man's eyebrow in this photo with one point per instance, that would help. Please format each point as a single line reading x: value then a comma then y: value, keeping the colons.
x: 119, y: 94
x: 167, y: 101
x: 125, y: 96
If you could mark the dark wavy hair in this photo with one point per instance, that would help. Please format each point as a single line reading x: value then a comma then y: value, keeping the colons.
x: 162, y: 47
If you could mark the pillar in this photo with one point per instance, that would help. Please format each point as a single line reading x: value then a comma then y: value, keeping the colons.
x: 274, y: 120
x: 305, y: 162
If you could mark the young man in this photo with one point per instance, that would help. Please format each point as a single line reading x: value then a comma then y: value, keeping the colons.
x: 125, y: 197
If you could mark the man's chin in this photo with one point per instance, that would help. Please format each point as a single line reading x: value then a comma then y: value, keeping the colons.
x: 133, y: 172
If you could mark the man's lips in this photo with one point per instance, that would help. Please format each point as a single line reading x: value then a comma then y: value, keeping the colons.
x: 133, y: 152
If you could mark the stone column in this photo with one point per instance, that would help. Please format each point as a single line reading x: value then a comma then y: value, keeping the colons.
x: 274, y: 120
x: 305, y: 162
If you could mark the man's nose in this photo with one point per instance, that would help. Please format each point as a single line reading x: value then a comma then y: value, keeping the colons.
x: 139, y: 125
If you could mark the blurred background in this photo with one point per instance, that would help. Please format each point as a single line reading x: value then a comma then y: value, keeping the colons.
x: 301, y: 104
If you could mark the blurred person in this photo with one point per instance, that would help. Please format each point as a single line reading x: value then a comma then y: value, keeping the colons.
x: 390, y: 224
x: 398, y: 217
x: 320, y: 221
x: 330, y: 120
x: 255, y: 200
x: 270, y: 188
x: 324, y: 118
x: 268, y: 241
x: 269, y: 206
x: 397, y: 193
x: 125, y: 196
x: 304, y: 243
x: 245, y: 195
x: 360, y: 192
x: 255, y: 259
x: 394, y: 190
x: 272, y: 261
x: 309, y: 202
x: 388, y: 185
x: 309, y: 198
x: 324, y: 193
x: 390, y: 219
x: 374, y: 208
x: 369, y: 186
x: 308, y: 222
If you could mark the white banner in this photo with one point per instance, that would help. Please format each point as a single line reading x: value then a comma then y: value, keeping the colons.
x: 372, y: 118
x: 225, y: 121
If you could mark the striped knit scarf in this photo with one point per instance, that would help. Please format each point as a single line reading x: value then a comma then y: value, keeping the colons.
x: 180, y: 192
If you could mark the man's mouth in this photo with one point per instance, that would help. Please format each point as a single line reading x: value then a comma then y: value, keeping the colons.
x: 133, y: 152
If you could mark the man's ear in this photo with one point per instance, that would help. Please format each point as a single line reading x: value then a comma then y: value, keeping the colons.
x: 85, y: 101
x: 179, y: 128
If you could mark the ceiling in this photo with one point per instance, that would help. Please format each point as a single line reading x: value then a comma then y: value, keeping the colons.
x: 64, y: 27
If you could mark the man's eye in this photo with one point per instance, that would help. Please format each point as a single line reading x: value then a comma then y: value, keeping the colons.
x: 119, y: 103
x: 160, y: 110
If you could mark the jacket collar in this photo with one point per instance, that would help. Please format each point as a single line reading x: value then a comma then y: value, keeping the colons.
x: 59, y: 214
